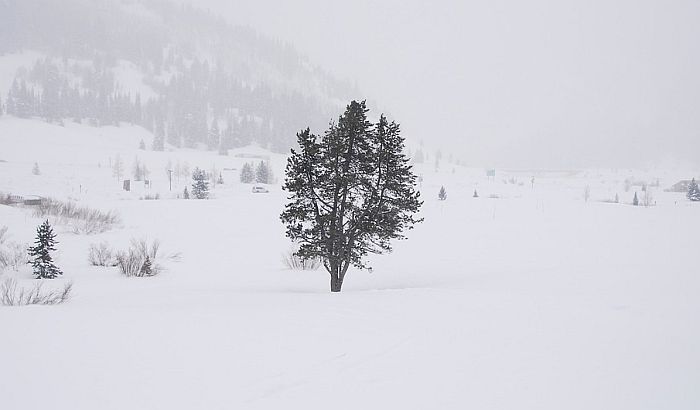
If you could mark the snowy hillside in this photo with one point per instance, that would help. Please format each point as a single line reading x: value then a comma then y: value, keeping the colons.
x: 525, y: 297
x: 184, y: 74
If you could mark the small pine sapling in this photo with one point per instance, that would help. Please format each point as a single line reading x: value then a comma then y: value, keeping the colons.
x: 147, y: 267
x: 442, y: 195
x: 693, y: 191
x: 42, y: 262
x: 200, y: 184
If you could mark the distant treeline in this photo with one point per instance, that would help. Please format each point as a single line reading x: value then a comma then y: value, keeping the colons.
x: 247, y: 88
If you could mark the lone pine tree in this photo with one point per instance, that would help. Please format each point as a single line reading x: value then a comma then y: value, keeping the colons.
x: 635, y: 200
x: 693, y: 191
x: 351, y: 190
x: 42, y: 262
x: 442, y: 195
x: 200, y: 184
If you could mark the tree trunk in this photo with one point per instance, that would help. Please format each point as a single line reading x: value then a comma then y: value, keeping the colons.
x: 336, y: 283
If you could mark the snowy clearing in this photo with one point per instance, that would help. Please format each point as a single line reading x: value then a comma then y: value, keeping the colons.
x: 535, y: 299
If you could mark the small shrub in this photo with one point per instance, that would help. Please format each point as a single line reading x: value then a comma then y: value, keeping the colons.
x: 5, y: 199
x: 13, y: 295
x: 294, y: 262
x: 140, y: 260
x: 150, y: 197
x: 82, y: 220
x: 101, y: 255
x: 12, y: 254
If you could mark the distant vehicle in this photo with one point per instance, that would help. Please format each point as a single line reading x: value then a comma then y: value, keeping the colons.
x: 259, y: 189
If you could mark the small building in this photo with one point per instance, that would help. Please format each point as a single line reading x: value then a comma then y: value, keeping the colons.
x: 32, y: 200
x: 15, y: 199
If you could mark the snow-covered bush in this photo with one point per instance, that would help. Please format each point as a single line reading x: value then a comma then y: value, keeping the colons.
x: 101, y: 255
x: 294, y: 262
x: 81, y: 220
x: 13, y: 295
x: 141, y: 259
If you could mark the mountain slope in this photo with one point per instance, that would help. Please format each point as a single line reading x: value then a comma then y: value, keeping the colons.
x: 187, y: 76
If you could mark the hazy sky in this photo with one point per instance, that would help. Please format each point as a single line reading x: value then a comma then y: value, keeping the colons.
x: 546, y: 83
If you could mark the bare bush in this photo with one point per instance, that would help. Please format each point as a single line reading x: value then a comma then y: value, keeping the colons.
x: 82, y: 220
x: 13, y: 295
x: 295, y: 262
x: 12, y: 256
x: 140, y: 260
x: 101, y: 255
x: 5, y: 199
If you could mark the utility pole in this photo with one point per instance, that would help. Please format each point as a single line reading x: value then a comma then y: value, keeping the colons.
x: 170, y: 179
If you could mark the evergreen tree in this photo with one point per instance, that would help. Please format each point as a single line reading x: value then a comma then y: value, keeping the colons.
x: 159, y: 139
x: 352, y: 192
x: 139, y: 170
x: 214, y: 136
x: 147, y: 267
x: 35, y: 169
x: 247, y: 176
x: 200, y: 184
x: 220, y: 181
x: 693, y: 191
x: 186, y: 194
x: 442, y: 195
x: 42, y: 262
x: 635, y: 200
x: 476, y: 195
x: 263, y: 173
x: 118, y: 168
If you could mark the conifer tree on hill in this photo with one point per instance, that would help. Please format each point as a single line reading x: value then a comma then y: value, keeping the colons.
x: 352, y: 191
x: 200, y: 184
x: 247, y: 176
x: 42, y: 262
x: 263, y: 173
x: 442, y: 195
x: 693, y: 191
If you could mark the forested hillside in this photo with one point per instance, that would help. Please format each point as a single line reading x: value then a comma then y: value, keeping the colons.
x: 186, y: 75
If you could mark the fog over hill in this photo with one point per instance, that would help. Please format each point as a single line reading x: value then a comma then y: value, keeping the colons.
x: 540, y: 83
x: 186, y: 75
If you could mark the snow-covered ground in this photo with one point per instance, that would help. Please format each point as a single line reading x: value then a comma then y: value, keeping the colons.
x: 527, y: 297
